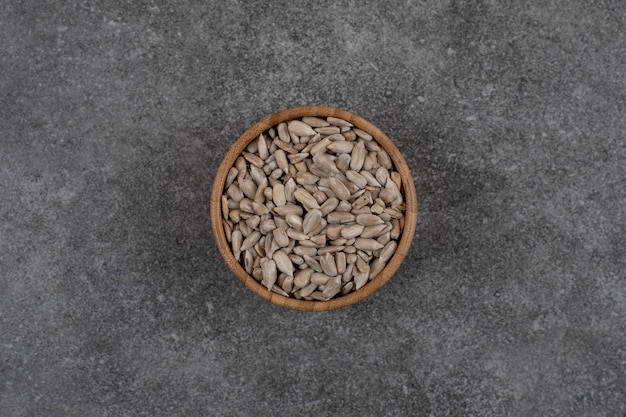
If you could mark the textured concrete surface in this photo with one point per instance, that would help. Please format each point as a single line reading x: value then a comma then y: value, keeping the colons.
x: 115, y: 115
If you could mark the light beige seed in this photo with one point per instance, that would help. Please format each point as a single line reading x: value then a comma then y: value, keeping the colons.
x: 396, y: 178
x: 288, y: 285
x: 340, y: 260
x: 308, y: 289
x: 349, y: 135
x: 293, y: 220
x: 228, y: 230
x: 237, y: 239
x: 362, y: 134
x: 248, y: 261
x: 318, y: 295
x: 306, y: 199
x: 347, y: 276
x: 343, y: 162
x: 302, y: 251
x: 283, y: 263
x: 319, y: 278
x: 340, y: 217
x: 373, y: 231
x: 234, y: 192
x: 371, y: 180
x: 363, y: 202
x: 259, y: 209
x: 281, y: 160
x: 233, y: 215
x: 384, y: 160
x: 300, y: 128
x: 280, y: 236
x: 262, y: 147
x: 376, y: 267
x: 395, y: 229
x: 296, y: 235
x: 333, y: 287
x: 283, y: 133
x: 253, y: 159
x: 341, y: 147
x: 253, y: 221
x: 288, y: 208
x: 360, y: 279
x: 347, y: 288
x: 319, y: 147
x: 279, y: 290
x: 311, y: 221
x: 361, y: 265
x: 268, y: 268
x: 245, y: 205
x: 251, y: 240
x: 335, y: 121
x: 352, y: 231
x: 329, y: 249
x: 329, y: 205
x: 257, y: 174
x: 297, y: 157
x: 232, y: 174
x: 344, y: 206
x: 314, y: 121
x: 267, y: 226
x: 306, y: 178
x: 387, y: 252
x: 225, y: 207
x: 339, y: 242
x: 325, y: 162
x: 382, y: 174
x: 367, y: 244
x: 339, y: 188
x: 278, y: 195
x: 369, y: 163
x: 368, y: 219
x: 302, y: 278
x: 356, y: 178
x: 333, y: 231
x: 328, y: 130
x: 312, y: 263
x: 329, y: 266
x: 318, y: 240
x: 241, y: 165
x: 358, y: 157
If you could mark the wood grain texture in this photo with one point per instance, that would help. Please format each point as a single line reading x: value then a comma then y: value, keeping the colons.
x: 408, y: 188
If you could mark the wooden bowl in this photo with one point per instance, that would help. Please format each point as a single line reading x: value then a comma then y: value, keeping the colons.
x: 408, y: 189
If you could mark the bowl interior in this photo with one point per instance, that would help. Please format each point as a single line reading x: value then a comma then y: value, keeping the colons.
x: 408, y: 189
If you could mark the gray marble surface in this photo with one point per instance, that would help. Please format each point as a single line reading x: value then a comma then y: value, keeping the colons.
x: 114, y: 116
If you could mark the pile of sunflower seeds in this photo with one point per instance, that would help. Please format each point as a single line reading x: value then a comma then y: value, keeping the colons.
x: 313, y: 208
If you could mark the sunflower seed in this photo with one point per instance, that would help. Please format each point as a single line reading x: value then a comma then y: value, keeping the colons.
x: 306, y: 199
x: 283, y: 263
x: 335, y: 121
x: 302, y: 278
x: 283, y: 133
x: 352, y: 230
x: 315, y: 121
x: 250, y: 240
x: 358, y: 157
x: 319, y: 278
x: 268, y: 267
x: 311, y: 221
x: 333, y: 287
x: 341, y: 147
x: 339, y: 188
x: 367, y: 244
x: 328, y: 264
x: 300, y: 128
x: 368, y: 219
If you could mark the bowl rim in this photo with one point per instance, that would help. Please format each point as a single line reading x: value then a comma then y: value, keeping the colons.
x: 410, y: 215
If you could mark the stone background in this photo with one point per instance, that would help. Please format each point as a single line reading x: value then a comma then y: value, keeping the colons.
x: 114, y: 116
